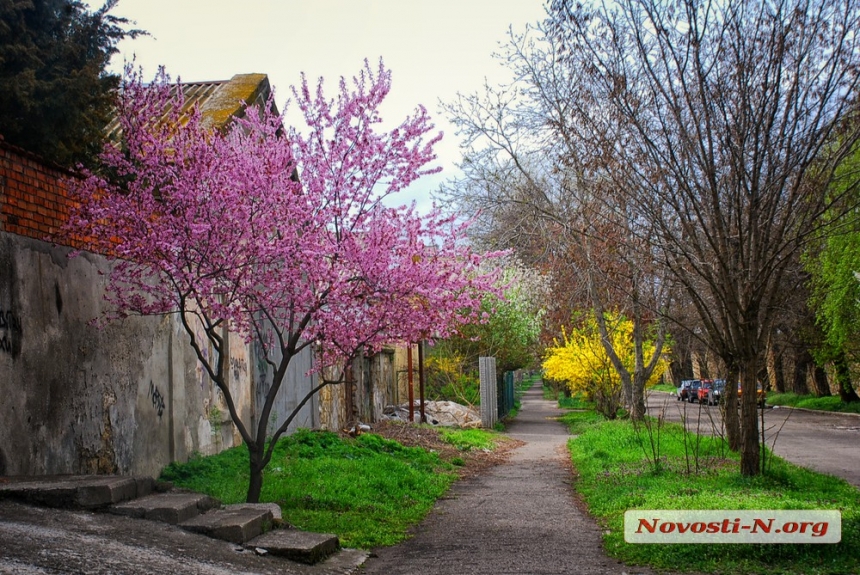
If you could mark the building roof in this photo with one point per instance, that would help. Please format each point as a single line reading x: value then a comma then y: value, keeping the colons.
x: 219, y: 101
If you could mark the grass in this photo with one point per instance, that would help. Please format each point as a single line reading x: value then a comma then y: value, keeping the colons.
x: 615, y: 476
x: 367, y: 490
x: 832, y: 403
x: 667, y: 387
x: 469, y: 439
x: 576, y: 401
x: 579, y: 422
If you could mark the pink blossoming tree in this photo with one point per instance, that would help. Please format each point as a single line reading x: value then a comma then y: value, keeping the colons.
x: 280, y: 236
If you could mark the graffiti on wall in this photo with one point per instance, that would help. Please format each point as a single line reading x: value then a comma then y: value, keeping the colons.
x: 238, y: 366
x: 157, y: 399
x: 10, y: 329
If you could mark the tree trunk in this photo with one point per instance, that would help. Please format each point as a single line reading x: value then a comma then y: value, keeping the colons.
x: 255, y: 485
x: 775, y: 375
x: 843, y: 380
x: 819, y: 381
x: 637, y: 404
x: 803, y: 359
x: 750, y: 455
x: 733, y: 432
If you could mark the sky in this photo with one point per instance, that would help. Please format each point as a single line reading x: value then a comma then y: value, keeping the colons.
x: 434, y: 48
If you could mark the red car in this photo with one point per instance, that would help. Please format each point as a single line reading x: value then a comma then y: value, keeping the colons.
x: 704, y: 391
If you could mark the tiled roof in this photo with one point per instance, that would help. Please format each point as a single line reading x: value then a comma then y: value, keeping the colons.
x: 219, y: 101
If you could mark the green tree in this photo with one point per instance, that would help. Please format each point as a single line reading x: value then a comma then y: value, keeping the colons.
x: 510, y: 332
x: 55, y: 94
x: 835, y: 291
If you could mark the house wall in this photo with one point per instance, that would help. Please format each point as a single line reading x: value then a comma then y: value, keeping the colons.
x: 127, y: 397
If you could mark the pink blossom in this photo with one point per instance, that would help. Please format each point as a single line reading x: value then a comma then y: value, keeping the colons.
x: 213, y: 227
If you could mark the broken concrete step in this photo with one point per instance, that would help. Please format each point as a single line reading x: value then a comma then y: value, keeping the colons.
x: 75, y: 491
x: 277, y: 516
x: 235, y: 525
x: 296, y: 545
x: 172, y: 507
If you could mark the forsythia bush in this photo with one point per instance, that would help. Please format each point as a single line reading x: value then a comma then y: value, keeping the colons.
x: 581, y: 362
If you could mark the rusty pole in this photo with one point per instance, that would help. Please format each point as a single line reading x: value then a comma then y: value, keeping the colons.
x: 421, y: 380
x: 409, y: 379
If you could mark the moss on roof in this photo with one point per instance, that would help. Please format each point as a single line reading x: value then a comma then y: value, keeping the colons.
x: 227, y: 101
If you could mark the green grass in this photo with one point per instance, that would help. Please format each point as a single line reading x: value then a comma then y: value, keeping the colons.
x: 667, y: 387
x: 550, y: 391
x: 469, y: 439
x: 615, y: 476
x: 832, y: 403
x: 577, y: 401
x: 580, y: 421
x: 367, y: 490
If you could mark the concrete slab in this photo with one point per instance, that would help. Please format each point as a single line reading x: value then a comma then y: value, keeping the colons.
x: 296, y: 545
x: 73, y: 491
x: 234, y: 525
x: 45, y: 541
x: 173, y: 508
x: 273, y: 507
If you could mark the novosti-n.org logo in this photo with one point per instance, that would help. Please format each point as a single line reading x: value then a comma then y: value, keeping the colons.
x: 732, y: 526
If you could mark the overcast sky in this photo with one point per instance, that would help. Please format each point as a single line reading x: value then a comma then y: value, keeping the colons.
x: 434, y: 48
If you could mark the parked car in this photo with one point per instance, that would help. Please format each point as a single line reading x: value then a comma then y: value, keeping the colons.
x: 717, y: 392
x: 693, y: 394
x: 759, y: 393
x: 684, y: 389
x: 704, y: 393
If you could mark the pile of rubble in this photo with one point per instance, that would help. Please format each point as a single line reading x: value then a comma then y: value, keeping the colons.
x: 443, y: 413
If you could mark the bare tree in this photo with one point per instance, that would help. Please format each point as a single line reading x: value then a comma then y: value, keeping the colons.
x: 524, y: 172
x: 723, y: 122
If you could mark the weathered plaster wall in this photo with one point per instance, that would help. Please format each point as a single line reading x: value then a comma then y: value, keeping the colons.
x: 76, y: 398
x: 129, y: 397
x: 373, y: 386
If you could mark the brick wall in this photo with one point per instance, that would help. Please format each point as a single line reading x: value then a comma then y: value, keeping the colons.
x: 33, y: 195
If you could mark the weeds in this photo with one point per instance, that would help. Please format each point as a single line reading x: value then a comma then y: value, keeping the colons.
x: 367, y: 490
x: 832, y: 403
x: 469, y: 439
x: 614, y: 475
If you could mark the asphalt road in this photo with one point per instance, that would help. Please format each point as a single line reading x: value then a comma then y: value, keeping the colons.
x: 825, y: 442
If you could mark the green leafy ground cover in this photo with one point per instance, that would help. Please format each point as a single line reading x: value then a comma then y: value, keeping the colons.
x: 468, y: 439
x: 615, y: 475
x: 667, y: 387
x: 367, y: 490
x: 832, y: 403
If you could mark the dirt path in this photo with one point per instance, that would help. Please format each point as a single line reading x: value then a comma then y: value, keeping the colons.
x: 519, y: 517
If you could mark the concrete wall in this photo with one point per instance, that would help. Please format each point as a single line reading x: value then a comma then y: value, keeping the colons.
x: 128, y: 398
x: 78, y: 398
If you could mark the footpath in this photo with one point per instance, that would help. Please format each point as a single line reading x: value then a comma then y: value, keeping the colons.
x: 518, y: 518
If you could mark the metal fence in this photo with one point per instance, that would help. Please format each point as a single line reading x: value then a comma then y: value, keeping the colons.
x: 505, y: 391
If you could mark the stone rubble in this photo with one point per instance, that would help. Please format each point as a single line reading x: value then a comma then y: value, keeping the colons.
x: 441, y: 413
